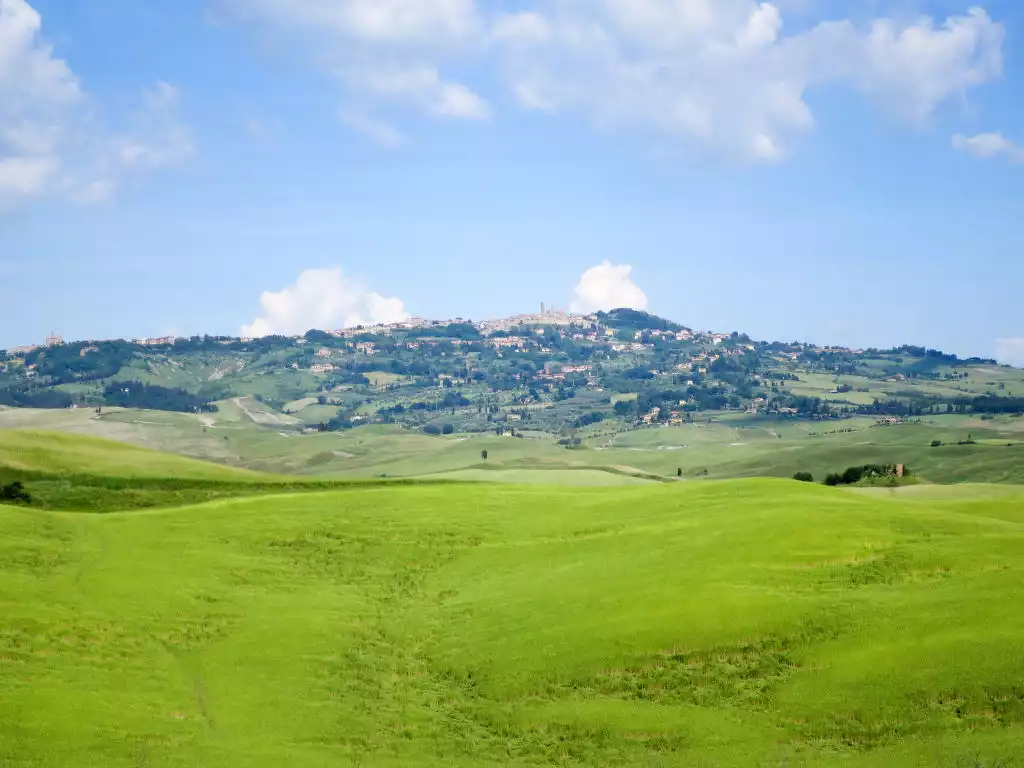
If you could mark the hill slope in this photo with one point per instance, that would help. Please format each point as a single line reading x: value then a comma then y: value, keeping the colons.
x: 69, y: 454
x: 752, y: 623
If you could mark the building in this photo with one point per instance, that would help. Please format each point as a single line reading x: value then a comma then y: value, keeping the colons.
x: 53, y: 340
x: 162, y: 341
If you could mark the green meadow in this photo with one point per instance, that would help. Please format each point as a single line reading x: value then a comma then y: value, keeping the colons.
x: 757, y: 622
x: 247, y: 435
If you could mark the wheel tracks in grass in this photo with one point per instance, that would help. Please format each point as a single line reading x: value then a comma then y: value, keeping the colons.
x: 920, y: 715
x: 387, y: 691
x: 395, y: 700
x: 742, y: 675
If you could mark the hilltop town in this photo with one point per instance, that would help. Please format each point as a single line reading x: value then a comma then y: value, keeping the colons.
x: 549, y: 371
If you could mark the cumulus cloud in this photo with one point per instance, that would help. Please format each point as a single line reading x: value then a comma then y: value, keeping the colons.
x: 722, y: 75
x: 989, y: 145
x: 323, y: 299
x: 391, y: 50
x: 605, y: 287
x: 716, y: 75
x: 36, y: 91
x: 47, y: 146
x: 1011, y: 351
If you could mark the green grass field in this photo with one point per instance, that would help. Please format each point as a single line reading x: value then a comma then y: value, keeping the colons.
x: 248, y: 435
x: 743, y: 623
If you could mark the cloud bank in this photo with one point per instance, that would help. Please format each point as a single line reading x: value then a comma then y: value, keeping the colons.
x: 1011, y: 351
x: 323, y: 299
x: 717, y: 75
x: 382, y: 53
x: 605, y: 287
x: 49, y: 144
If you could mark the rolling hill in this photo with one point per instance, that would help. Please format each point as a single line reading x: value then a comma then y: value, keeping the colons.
x: 742, y: 623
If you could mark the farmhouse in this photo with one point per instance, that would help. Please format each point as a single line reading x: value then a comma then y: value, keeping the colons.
x: 648, y: 418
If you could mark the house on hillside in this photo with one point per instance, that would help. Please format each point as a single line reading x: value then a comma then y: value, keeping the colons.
x: 650, y: 418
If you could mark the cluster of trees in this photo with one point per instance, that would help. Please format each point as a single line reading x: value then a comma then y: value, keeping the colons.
x: 853, y: 475
x: 994, y: 404
x: 635, y: 320
x: 67, y: 363
x: 135, y: 394
x: 594, y: 417
x: 434, y: 429
x: 28, y: 396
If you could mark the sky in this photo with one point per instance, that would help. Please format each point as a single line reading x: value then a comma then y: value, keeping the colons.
x: 804, y: 170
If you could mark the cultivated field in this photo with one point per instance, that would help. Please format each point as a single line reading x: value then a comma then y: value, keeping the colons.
x: 742, y: 623
x: 246, y: 434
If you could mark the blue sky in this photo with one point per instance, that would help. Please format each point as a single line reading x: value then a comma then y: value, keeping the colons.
x: 834, y: 172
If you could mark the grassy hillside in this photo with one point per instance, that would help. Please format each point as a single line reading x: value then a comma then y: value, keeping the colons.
x: 244, y: 434
x: 57, y: 453
x: 752, y: 623
x: 75, y: 473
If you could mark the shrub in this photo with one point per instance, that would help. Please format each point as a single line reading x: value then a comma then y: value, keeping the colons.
x: 804, y: 477
x: 432, y: 429
x: 15, y: 492
x: 936, y: 443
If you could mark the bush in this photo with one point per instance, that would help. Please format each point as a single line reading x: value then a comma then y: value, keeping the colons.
x: 936, y: 443
x: 804, y: 477
x: 432, y: 429
x: 15, y: 492
x: 448, y: 429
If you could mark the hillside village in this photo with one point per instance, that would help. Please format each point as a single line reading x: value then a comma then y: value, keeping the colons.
x: 548, y: 371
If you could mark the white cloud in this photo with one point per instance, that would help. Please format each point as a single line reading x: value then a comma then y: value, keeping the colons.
x: 376, y: 130
x: 423, y: 87
x: 386, y: 49
x: 605, y: 287
x: 323, y: 299
x: 162, y: 139
x: 988, y: 145
x: 390, y: 22
x: 722, y: 74
x: 1010, y: 351
x: 49, y: 143
x: 36, y: 90
x: 718, y: 75
x: 24, y: 177
x: 524, y: 28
